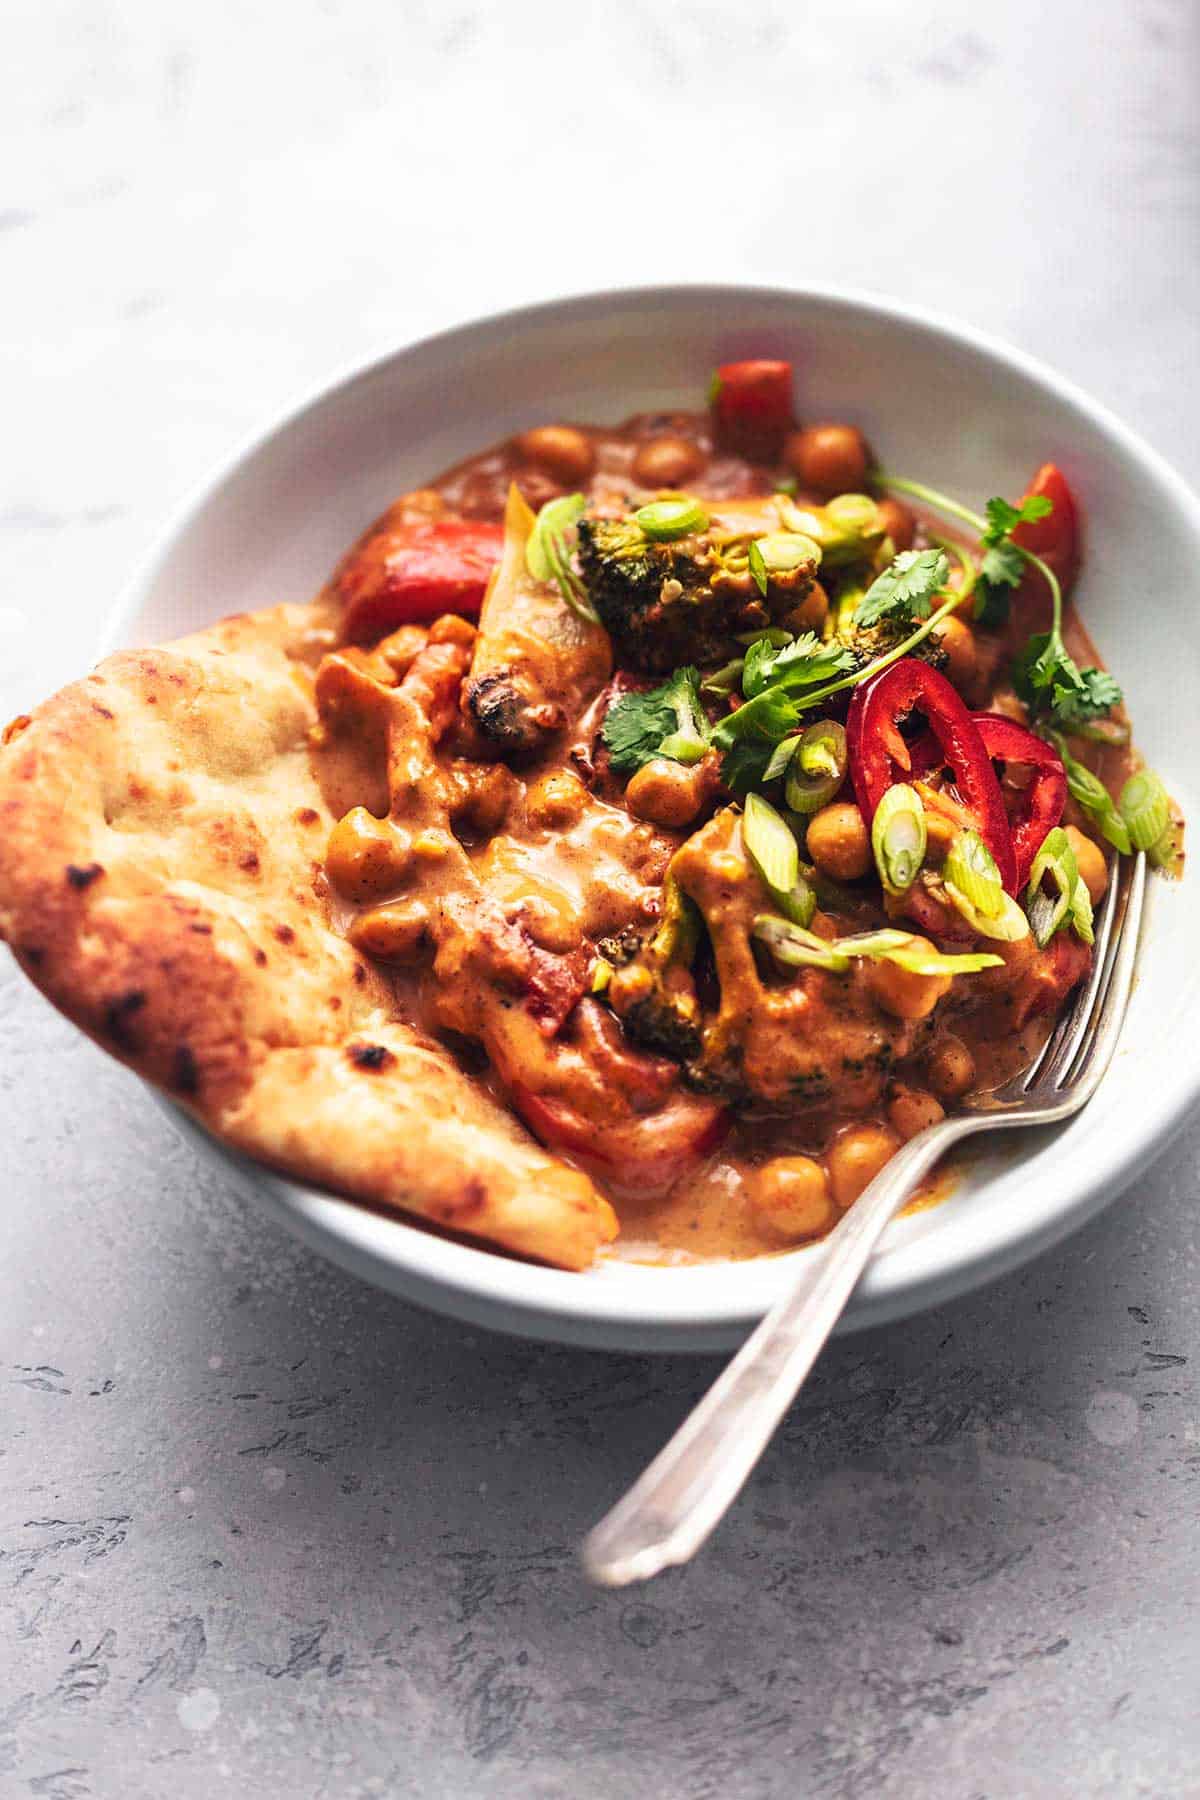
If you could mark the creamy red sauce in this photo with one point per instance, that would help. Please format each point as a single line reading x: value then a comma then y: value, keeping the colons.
x: 574, y: 875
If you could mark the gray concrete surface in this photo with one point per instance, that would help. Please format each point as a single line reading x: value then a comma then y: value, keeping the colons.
x: 264, y: 1531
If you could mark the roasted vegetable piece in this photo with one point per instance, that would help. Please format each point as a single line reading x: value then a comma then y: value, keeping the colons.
x: 408, y: 569
x: 677, y: 601
x: 537, y: 662
x: 1055, y: 537
x: 654, y: 994
x: 752, y: 407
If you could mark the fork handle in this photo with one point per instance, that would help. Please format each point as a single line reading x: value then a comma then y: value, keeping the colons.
x: 688, y: 1488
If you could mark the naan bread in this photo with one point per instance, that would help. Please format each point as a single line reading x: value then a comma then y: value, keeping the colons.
x: 161, y: 836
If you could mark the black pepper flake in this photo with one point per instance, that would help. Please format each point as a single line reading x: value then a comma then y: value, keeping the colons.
x: 370, y: 1056
x: 185, y: 1076
x: 81, y: 875
x: 118, y: 1019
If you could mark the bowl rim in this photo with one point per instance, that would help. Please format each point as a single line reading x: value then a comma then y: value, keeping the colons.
x: 535, y: 1300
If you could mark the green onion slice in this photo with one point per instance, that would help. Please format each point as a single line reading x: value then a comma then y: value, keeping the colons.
x: 781, y: 756
x: 555, y: 518
x: 795, y: 947
x: 776, y: 635
x: 1053, y: 880
x: 1167, y: 854
x: 1007, y: 926
x: 971, y: 866
x: 663, y: 520
x: 769, y: 844
x: 915, y: 954
x: 1089, y: 792
x: 601, y: 975
x: 779, y: 553
x: 1081, y: 913
x: 898, y: 837
x: 683, y: 747
x: 853, y: 512
x: 724, y: 679
x: 1145, y: 808
x: 818, y: 767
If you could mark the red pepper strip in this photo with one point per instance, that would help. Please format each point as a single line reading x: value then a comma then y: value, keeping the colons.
x: 1056, y: 537
x: 752, y: 407
x: 403, y: 573
x: 647, y: 1153
x: 1050, y: 977
x: 880, y: 757
x: 1040, y: 806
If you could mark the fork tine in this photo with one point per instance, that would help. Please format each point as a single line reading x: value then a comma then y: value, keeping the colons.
x: 1100, y: 1041
x: 1067, y: 1035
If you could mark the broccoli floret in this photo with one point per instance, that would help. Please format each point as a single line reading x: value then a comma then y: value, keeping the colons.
x: 653, y: 993
x: 666, y: 603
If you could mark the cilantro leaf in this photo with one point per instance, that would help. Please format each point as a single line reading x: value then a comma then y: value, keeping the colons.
x: 1002, y: 516
x: 1056, y: 689
x: 1003, y: 565
x: 1094, y: 698
x: 799, y: 664
x: 905, y: 590
x: 771, y: 715
x: 744, y: 765
x: 638, y: 725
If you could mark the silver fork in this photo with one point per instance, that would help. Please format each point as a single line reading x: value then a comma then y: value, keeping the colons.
x: 690, y: 1485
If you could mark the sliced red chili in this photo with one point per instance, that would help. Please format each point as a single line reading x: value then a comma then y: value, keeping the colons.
x: 413, y: 571
x: 880, y: 755
x: 752, y: 407
x: 1041, y: 804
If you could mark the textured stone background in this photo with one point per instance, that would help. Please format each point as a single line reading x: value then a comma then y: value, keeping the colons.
x: 265, y: 1531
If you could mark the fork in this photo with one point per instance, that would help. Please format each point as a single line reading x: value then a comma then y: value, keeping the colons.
x: 684, y: 1494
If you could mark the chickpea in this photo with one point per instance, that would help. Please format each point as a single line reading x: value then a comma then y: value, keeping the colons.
x: 904, y: 994
x: 828, y: 459
x: 451, y: 629
x: 556, y: 799
x: 912, y: 1110
x: 898, y: 523
x: 958, y: 641
x: 838, y: 841
x: 670, y: 793
x: 552, y: 926
x: 482, y: 794
x: 811, y: 613
x: 366, y: 856
x: 855, y: 1158
x: 400, y: 649
x: 397, y: 933
x: 950, y: 1068
x: 790, y: 1196
x: 667, y: 462
x: 1093, y: 869
x: 561, y: 452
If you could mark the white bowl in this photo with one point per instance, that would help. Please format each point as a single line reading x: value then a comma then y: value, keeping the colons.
x: 940, y: 402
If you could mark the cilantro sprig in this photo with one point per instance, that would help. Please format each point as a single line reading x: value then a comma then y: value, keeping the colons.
x: 1003, y: 563
x: 664, y: 721
x: 1059, y: 694
x: 904, y: 591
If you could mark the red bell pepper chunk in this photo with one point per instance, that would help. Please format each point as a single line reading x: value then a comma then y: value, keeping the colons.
x: 752, y: 407
x: 1041, y: 804
x: 647, y: 1153
x: 880, y: 756
x: 1056, y: 537
x: 415, y: 570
